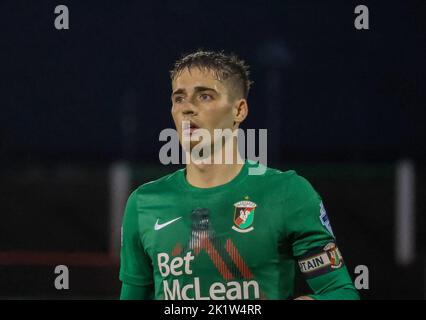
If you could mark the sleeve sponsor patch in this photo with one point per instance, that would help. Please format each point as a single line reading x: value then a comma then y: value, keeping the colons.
x: 321, y: 261
x: 324, y: 219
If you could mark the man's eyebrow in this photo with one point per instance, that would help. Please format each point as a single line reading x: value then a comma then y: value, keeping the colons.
x: 179, y: 91
x: 199, y: 89
x: 196, y: 90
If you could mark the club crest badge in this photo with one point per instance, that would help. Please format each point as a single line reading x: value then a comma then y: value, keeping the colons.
x: 334, y: 256
x: 244, y: 216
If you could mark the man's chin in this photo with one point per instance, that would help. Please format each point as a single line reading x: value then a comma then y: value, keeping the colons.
x: 200, y: 153
x: 198, y: 144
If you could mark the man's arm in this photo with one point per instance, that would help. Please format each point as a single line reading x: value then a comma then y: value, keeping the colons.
x: 135, y: 268
x: 330, y: 284
x: 314, y: 245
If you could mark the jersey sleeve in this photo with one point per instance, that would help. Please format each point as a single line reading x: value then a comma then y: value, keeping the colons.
x: 132, y: 292
x: 314, y: 245
x: 136, y: 266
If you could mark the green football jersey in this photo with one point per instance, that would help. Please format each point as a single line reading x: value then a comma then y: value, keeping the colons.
x: 241, y: 240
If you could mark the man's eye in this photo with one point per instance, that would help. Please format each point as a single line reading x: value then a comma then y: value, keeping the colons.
x: 178, y: 99
x: 205, y: 97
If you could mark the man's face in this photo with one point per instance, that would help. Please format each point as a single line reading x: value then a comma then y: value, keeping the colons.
x: 198, y: 97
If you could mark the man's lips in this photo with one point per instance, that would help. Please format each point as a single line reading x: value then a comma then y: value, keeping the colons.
x: 189, y: 127
x: 193, y: 127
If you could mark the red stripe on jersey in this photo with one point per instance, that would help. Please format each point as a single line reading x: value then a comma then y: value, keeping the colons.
x: 177, y: 250
x: 217, y: 260
x: 238, y: 260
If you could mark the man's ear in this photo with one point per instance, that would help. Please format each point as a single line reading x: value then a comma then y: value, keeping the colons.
x: 240, y: 111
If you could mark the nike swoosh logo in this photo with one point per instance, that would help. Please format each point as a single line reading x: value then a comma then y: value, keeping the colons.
x: 161, y: 226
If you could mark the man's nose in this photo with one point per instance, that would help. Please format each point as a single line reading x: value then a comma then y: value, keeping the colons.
x: 189, y: 108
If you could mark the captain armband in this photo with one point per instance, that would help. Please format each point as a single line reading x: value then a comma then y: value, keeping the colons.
x: 320, y: 261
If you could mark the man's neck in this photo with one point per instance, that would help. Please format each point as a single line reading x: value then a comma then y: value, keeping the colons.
x: 212, y: 175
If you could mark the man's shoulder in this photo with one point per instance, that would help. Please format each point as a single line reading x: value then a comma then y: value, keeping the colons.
x: 290, y: 180
x: 260, y: 171
x: 159, y: 185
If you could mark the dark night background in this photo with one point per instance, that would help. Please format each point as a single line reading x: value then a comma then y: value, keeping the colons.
x: 342, y: 106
